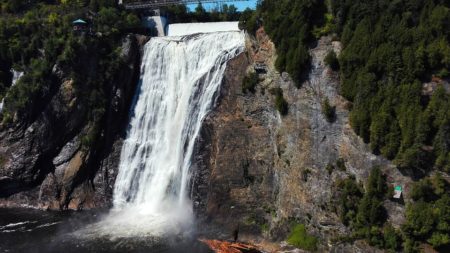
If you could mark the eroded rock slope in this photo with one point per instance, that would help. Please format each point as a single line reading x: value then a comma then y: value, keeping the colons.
x: 263, y: 170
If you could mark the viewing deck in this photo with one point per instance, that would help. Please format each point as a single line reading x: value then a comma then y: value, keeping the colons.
x: 154, y: 4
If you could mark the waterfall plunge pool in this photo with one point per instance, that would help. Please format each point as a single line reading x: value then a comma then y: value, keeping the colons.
x: 37, y: 231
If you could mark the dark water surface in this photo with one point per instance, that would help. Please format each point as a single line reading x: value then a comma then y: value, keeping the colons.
x: 28, y: 230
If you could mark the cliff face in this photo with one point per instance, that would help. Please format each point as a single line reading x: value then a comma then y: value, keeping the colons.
x: 252, y: 166
x: 45, y: 164
x: 263, y: 170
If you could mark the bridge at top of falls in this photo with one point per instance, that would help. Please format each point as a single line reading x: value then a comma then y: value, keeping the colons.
x: 154, y: 4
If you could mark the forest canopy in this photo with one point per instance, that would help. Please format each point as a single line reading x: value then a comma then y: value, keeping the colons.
x: 390, y: 49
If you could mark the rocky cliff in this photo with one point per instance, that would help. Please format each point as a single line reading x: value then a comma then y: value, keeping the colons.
x: 253, y: 166
x: 44, y: 162
x: 263, y: 170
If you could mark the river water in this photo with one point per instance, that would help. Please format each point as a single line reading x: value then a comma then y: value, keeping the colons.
x: 35, y: 231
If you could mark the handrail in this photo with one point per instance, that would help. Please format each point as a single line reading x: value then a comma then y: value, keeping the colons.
x: 160, y: 3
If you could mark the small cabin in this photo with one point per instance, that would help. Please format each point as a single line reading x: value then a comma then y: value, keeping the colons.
x: 79, y: 25
x: 398, y: 192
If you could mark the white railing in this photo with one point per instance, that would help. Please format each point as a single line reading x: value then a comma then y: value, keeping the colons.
x: 150, y: 4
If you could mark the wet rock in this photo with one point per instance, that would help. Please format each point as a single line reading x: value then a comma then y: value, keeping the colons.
x: 67, y: 152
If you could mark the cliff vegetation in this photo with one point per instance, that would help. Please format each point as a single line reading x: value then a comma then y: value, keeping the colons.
x: 36, y: 35
x: 393, y: 51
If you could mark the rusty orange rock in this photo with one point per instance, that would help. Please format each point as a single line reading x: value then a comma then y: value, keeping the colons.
x: 229, y: 247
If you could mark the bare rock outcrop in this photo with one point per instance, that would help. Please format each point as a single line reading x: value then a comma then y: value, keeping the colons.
x: 263, y: 170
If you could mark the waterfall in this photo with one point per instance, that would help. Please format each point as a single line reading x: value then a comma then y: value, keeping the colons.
x: 180, y: 80
x: 16, y: 76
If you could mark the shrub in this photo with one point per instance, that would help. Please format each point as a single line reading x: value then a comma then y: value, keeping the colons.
x: 364, y: 211
x: 326, y: 28
x: 249, y: 21
x: 280, y: 103
x: 391, y: 238
x: 264, y: 227
x: 332, y: 61
x: 340, y: 163
x: 305, y: 174
x: 350, y: 195
x: 249, y: 83
x: 301, y: 239
x: 370, y: 210
x: 329, y: 168
x: 427, y: 218
x: 328, y: 111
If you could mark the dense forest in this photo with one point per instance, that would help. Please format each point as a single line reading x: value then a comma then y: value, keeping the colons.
x: 391, y: 48
x: 37, y: 37
x: 389, y: 52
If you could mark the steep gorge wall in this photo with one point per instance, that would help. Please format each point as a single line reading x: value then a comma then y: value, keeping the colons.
x: 44, y: 163
x: 263, y: 170
x: 252, y: 165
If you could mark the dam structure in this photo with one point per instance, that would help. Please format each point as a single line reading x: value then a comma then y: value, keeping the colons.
x: 154, y: 4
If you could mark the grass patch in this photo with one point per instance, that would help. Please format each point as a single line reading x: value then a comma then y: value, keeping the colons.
x: 301, y: 239
x: 264, y: 228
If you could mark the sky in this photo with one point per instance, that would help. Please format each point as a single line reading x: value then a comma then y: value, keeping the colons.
x: 240, y: 5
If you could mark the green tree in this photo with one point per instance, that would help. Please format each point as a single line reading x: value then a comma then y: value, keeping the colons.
x: 249, y: 82
x: 331, y: 60
x: 328, y: 111
x: 280, y: 103
x: 200, y: 13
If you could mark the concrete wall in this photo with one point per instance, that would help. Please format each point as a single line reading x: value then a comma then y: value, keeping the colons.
x: 193, y: 28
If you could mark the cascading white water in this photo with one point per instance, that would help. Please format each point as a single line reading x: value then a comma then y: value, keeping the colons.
x: 180, y: 78
x: 16, y: 76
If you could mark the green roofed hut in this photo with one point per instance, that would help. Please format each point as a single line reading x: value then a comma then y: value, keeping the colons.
x: 398, y: 192
x: 79, y: 25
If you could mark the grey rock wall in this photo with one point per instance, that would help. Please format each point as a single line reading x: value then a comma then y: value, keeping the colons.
x: 262, y: 170
x: 45, y: 164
